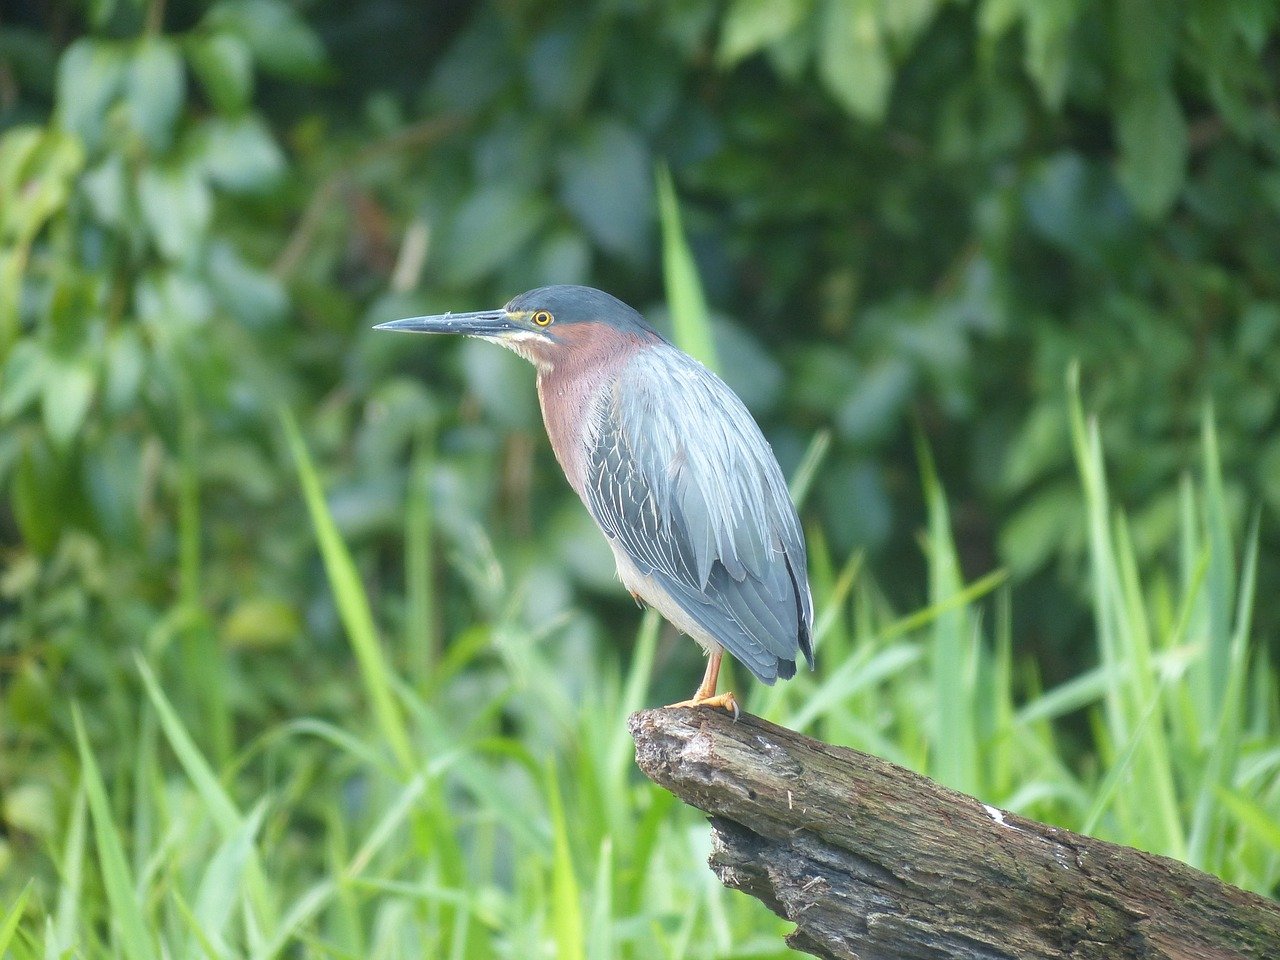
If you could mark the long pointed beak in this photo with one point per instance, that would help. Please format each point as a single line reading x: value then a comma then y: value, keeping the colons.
x: 482, y: 323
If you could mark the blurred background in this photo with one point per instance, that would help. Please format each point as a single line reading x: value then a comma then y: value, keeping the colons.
x: 1020, y: 252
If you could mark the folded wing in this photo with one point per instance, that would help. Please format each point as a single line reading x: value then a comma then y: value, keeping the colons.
x: 679, y: 476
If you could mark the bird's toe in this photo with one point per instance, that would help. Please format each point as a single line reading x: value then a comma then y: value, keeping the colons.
x: 725, y: 701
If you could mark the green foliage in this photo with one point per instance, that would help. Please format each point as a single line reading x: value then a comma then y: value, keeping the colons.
x: 516, y: 822
x: 354, y: 685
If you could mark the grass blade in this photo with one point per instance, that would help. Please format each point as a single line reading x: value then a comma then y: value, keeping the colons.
x: 1228, y: 723
x: 1221, y: 577
x: 135, y: 937
x: 207, y: 946
x: 690, y: 319
x: 854, y: 676
x: 961, y: 598
x: 9, y: 925
x: 602, y: 915
x: 419, y: 632
x: 303, y: 910
x: 353, y: 604
x: 639, y: 677
x: 1252, y: 816
x: 198, y: 770
x: 66, y: 917
x: 955, y: 761
x: 566, y: 902
x: 812, y: 460
x: 219, y: 889
x: 230, y: 822
x: 397, y: 813
x: 1103, y: 795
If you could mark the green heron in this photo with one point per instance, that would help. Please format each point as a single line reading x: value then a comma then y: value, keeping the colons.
x: 672, y: 467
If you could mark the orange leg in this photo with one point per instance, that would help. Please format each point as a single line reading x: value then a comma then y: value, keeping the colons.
x: 706, y: 695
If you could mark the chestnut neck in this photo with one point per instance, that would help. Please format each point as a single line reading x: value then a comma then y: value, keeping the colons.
x: 584, y: 362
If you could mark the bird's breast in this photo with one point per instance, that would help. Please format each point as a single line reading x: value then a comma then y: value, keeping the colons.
x: 576, y: 393
x: 565, y: 403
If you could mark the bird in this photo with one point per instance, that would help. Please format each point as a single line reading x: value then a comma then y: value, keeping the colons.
x: 673, y: 469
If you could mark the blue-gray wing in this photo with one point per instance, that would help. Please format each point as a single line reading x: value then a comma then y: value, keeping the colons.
x: 679, y: 476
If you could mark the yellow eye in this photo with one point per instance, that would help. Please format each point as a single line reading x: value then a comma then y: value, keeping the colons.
x: 542, y: 318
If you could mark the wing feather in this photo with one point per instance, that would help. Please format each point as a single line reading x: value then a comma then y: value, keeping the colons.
x: 679, y: 476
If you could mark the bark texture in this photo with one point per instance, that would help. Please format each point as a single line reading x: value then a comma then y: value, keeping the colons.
x: 874, y: 862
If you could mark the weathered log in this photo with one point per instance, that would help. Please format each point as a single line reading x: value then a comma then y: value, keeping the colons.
x: 872, y: 861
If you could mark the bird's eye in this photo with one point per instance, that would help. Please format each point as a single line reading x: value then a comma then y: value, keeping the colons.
x: 542, y: 318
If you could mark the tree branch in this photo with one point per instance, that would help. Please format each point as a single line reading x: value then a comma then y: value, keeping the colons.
x: 872, y: 861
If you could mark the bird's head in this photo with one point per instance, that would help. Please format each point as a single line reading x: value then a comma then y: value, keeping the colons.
x: 545, y: 325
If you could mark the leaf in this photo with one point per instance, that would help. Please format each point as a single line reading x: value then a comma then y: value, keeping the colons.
x: 37, y: 488
x: 176, y: 207
x: 217, y: 802
x: 1152, y: 136
x: 24, y: 372
x: 751, y: 25
x: 224, y: 65
x: 997, y: 17
x: 68, y: 387
x: 37, y: 169
x: 1039, y: 447
x: 280, y: 41
x: 155, y: 89
x: 1269, y: 470
x: 173, y: 303
x: 1079, y: 207
x: 72, y: 325
x: 487, y: 229
x: 852, y: 58
x: 101, y: 12
x: 563, y: 257
x: 260, y: 623
x: 12, y: 262
x: 877, y: 400
x: 106, y: 187
x: 563, y: 66
x: 1048, y: 47
x: 126, y: 362
x: 255, y: 297
x: 29, y: 808
x: 90, y: 76
x: 240, y: 155
x: 112, y: 476
x: 904, y: 20
x: 604, y: 182
x: 791, y: 54
x: 16, y: 147
x: 1146, y: 40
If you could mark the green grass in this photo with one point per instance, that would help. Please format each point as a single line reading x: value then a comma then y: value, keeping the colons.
x: 690, y: 317
x: 456, y: 818
x: 478, y: 800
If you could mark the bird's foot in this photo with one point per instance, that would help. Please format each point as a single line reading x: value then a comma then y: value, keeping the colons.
x: 725, y: 701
